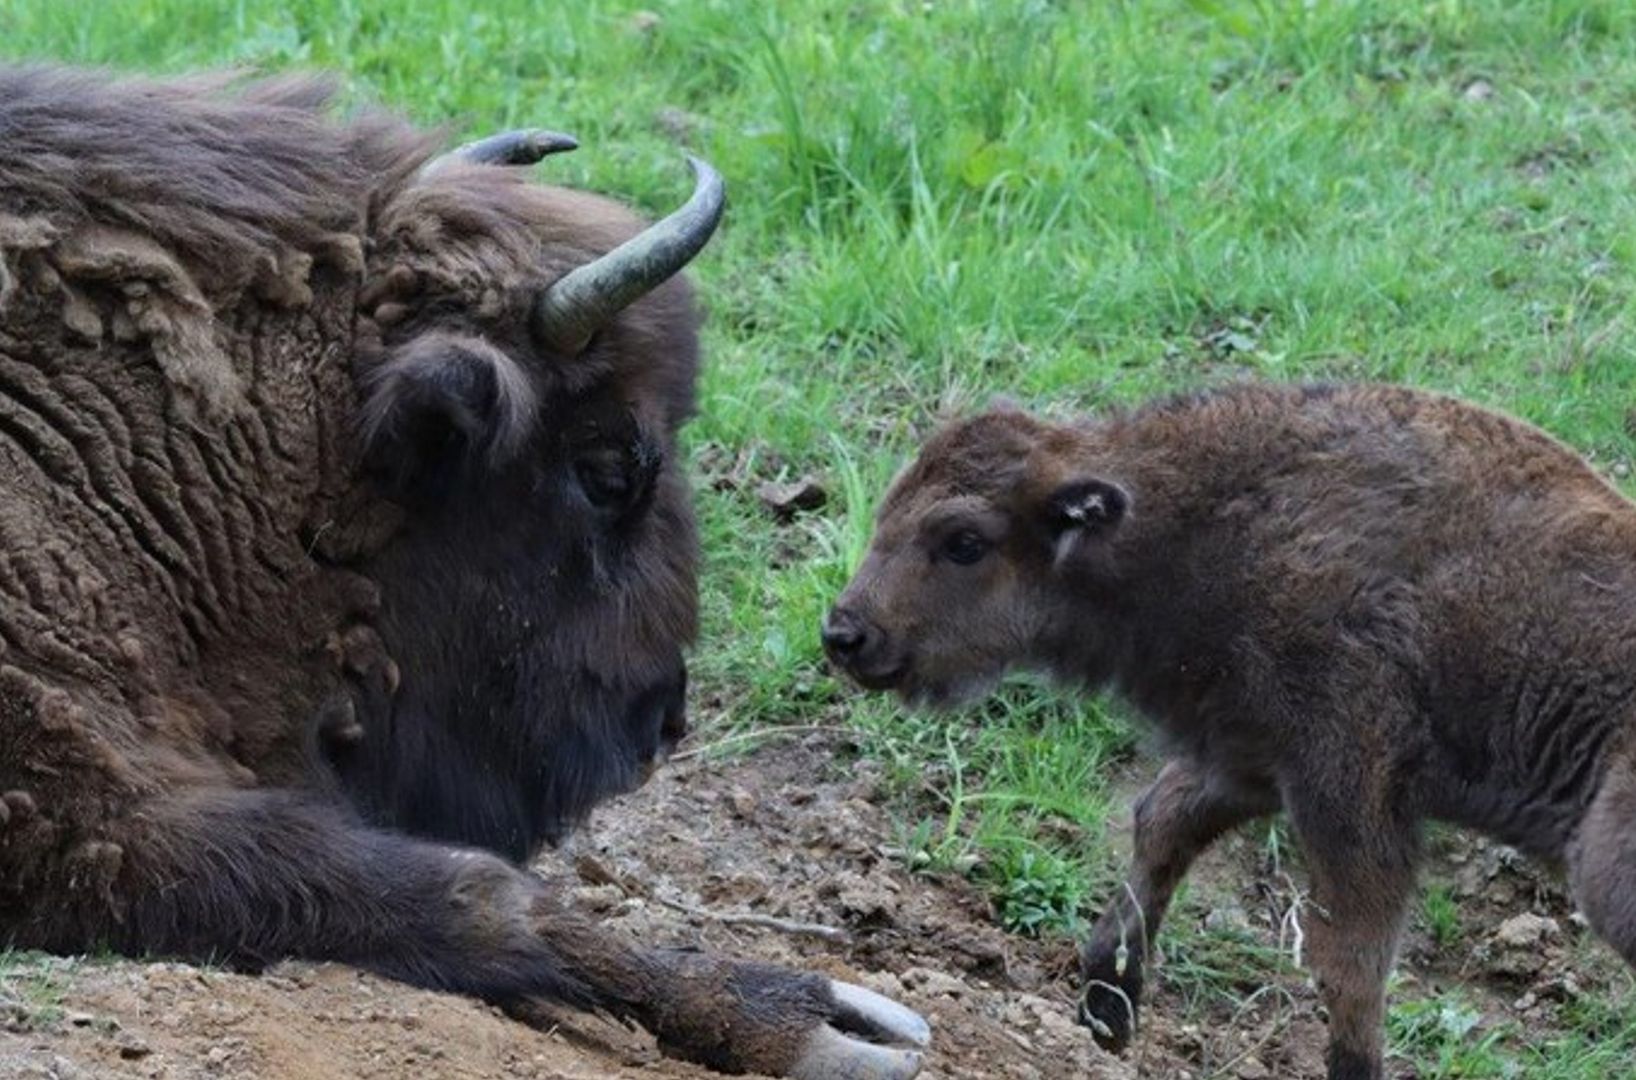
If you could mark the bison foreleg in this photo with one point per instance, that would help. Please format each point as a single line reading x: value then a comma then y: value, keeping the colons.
x: 1184, y: 811
x: 250, y: 877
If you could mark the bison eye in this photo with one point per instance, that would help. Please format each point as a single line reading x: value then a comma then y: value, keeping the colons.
x: 604, y: 480
x: 965, y: 547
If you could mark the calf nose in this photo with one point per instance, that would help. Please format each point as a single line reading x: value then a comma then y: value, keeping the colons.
x: 846, y: 637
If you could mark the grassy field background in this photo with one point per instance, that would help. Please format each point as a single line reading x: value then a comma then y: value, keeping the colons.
x: 1076, y: 203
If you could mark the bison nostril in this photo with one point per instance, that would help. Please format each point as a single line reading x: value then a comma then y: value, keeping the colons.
x: 844, y: 635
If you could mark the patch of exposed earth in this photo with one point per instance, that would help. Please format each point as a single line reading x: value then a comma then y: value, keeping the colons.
x: 794, y: 836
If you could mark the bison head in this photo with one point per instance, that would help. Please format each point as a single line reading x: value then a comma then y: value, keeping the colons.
x: 973, y: 545
x: 528, y: 356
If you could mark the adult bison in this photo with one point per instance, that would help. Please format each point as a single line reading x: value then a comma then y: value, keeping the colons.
x: 345, y: 549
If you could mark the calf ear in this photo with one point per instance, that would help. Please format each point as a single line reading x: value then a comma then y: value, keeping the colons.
x: 440, y: 408
x: 1082, y: 510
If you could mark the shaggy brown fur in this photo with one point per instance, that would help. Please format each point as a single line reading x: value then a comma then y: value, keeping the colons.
x: 313, y: 564
x: 1364, y: 605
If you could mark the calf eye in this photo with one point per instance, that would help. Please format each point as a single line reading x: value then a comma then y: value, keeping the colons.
x: 965, y: 547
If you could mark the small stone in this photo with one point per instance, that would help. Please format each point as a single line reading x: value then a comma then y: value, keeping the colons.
x: 645, y: 22
x: 599, y: 899
x: 930, y: 983
x: 1526, y: 931
x: 742, y: 802
x: 1478, y: 90
x: 788, y: 500
x: 593, y: 871
x: 1252, y: 1069
x: 132, y: 1046
x: 1229, y: 917
x: 63, y: 1069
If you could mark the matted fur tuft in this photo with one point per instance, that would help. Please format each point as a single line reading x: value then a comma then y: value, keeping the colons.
x: 228, y: 175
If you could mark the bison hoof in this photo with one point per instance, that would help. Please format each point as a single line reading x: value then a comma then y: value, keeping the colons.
x: 1110, y: 1013
x: 868, y: 1037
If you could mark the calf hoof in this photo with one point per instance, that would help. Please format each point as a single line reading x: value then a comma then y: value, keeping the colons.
x: 1110, y: 1012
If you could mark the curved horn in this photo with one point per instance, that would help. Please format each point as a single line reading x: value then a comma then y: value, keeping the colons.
x: 522, y: 147
x: 569, y: 311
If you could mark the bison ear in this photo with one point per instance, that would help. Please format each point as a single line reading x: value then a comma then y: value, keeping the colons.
x: 1082, y: 510
x: 440, y: 408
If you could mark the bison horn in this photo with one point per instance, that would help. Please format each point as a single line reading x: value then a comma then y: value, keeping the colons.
x: 571, y: 309
x: 871, y: 1038
x: 522, y: 147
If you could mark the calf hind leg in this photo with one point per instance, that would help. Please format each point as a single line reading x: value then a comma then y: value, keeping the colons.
x: 1602, y: 861
x: 1362, y: 857
x: 1187, y: 808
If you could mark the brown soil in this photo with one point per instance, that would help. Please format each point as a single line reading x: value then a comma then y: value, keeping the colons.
x: 792, y: 833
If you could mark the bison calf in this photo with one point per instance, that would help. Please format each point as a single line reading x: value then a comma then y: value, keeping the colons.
x: 1363, y: 605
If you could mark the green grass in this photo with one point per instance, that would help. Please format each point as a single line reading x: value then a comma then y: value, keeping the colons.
x: 1076, y: 203
x: 31, y: 989
x: 1440, y: 913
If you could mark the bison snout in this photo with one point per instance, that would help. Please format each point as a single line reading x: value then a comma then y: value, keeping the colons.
x: 661, y: 713
x: 861, y: 648
x: 845, y: 635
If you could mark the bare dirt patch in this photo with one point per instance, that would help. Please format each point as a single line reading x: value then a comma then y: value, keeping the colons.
x: 787, y: 834
x: 800, y: 841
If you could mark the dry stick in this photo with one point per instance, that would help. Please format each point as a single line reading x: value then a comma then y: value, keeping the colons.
x: 764, y: 733
x: 1291, y: 921
x: 766, y: 922
x: 1280, y: 1022
x: 590, y: 869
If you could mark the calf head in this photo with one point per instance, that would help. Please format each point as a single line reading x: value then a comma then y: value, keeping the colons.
x: 527, y: 360
x: 972, y: 544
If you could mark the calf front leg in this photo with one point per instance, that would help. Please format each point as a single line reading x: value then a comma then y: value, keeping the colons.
x: 250, y: 877
x: 1188, y: 807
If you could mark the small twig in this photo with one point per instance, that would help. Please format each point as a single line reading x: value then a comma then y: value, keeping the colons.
x: 1289, y: 925
x: 766, y: 922
x: 764, y: 733
x: 1280, y: 1022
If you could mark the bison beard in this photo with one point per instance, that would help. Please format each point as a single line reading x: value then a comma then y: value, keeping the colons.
x: 340, y: 525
